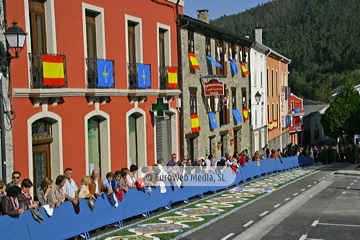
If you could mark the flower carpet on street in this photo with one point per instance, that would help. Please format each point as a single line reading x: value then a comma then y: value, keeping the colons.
x: 180, y: 222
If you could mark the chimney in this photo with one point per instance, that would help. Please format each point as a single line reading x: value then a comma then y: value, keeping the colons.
x: 203, y: 15
x: 258, y: 35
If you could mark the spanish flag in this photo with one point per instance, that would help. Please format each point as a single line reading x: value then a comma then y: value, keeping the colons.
x: 194, y: 61
x: 244, y: 70
x: 53, y: 70
x: 246, y: 113
x: 275, y: 124
x: 270, y: 126
x: 172, y: 78
x: 195, y: 124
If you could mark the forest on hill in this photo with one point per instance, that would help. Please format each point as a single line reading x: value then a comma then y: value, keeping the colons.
x: 321, y: 37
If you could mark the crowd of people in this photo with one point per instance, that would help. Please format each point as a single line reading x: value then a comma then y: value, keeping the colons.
x: 15, y: 197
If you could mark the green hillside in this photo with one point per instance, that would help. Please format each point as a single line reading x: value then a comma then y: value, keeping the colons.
x: 321, y: 37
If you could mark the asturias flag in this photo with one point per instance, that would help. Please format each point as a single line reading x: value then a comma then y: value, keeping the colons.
x: 194, y: 61
x: 172, y: 78
x: 214, y: 62
x: 212, y: 119
x: 237, y: 115
x: 53, y: 70
x: 105, y: 73
x: 143, y: 76
x: 234, y: 67
x: 195, y: 124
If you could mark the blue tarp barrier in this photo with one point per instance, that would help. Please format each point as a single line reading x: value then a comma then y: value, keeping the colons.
x: 65, y: 223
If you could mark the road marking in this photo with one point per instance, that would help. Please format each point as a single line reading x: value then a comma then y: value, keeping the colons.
x: 264, y: 213
x: 287, y: 199
x: 343, y: 192
x: 315, y: 182
x: 315, y: 223
x: 303, y: 189
x: 351, y: 183
x: 303, y: 237
x: 248, y: 223
x: 277, y: 205
x: 319, y: 179
x: 227, y: 236
x: 348, y: 188
x: 295, y: 194
x: 358, y: 178
x: 355, y: 180
x: 341, y: 225
x: 323, y: 177
x: 309, y: 186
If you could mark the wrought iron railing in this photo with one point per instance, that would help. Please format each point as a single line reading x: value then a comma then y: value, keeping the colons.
x: 37, y: 72
x: 133, y: 76
x: 163, y: 77
x: 93, y: 71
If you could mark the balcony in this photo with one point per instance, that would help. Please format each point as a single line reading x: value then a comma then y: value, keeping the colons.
x: 164, y: 78
x: 47, y: 70
x: 139, y: 76
x: 106, y: 73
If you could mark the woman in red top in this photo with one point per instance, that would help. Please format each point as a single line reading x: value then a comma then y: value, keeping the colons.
x: 256, y: 156
x: 272, y: 155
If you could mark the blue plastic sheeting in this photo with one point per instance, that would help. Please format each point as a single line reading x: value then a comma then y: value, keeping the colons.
x: 65, y: 223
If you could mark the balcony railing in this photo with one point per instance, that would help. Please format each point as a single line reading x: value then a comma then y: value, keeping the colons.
x: 134, y: 77
x: 92, y: 74
x: 56, y: 77
x: 164, y: 77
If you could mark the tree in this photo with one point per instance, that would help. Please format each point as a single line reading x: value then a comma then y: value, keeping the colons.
x: 342, y: 116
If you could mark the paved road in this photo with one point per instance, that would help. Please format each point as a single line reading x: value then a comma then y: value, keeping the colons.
x: 323, y: 205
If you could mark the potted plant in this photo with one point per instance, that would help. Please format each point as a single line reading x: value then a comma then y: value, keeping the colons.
x: 232, y: 141
x: 219, y: 144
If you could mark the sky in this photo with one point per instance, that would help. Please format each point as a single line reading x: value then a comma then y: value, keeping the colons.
x: 218, y: 8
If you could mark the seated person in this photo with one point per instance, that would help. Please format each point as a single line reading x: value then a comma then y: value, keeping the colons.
x: 96, y: 186
x: 43, y: 192
x: 25, y: 200
x: 57, y: 193
x: 10, y: 204
x: 84, y: 188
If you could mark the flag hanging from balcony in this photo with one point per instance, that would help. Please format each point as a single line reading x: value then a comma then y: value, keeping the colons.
x: 194, y: 61
x: 143, y: 76
x: 234, y: 67
x: 195, y: 124
x: 270, y: 126
x: 172, y: 78
x: 214, y: 62
x: 246, y: 113
x: 53, y: 70
x: 237, y: 115
x: 244, y: 70
x: 212, y: 119
x: 105, y: 73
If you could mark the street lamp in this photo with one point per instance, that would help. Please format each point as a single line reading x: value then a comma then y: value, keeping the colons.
x: 15, y: 38
x: 257, y: 97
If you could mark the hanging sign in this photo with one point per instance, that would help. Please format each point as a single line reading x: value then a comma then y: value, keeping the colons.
x: 214, y: 87
x: 282, y: 110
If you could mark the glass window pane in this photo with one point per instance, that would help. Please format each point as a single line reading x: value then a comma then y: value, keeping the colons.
x: 40, y: 33
x: 91, y: 42
x: 94, y: 144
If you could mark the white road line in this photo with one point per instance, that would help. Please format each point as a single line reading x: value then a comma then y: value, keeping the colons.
x: 303, y: 189
x: 355, y: 180
x: 351, y: 183
x: 343, y: 192
x: 287, y: 199
x: 277, y: 205
x: 319, y: 179
x: 309, y: 186
x: 295, y: 194
x: 227, y: 236
x: 315, y: 223
x: 248, y: 223
x: 264, y: 213
x: 303, y: 237
x: 323, y: 177
x: 341, y: 225
x: 358, y: 178
x: 348, y: 188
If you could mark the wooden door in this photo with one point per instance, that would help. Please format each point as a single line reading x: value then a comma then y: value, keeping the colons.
x: 41, y: 163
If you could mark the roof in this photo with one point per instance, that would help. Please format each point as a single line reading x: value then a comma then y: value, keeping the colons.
x: 198, y: 26
x: 312, y: 107
x: 312, y: 102
x: 337, y: 90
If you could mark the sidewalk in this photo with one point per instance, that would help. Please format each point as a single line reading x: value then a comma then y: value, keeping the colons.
x: 349, y: 170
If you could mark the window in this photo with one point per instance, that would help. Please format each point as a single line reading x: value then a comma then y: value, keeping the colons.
x: 225, y: 108
x: 243, y: 96
x: 268, y: 112
x: 220, y: 57
x: 244, y: 54
x: 190, y: 42
x: 212, y: 104
x: 162, y: 47
x: 316, y: 134
x: 232, y: 51
x: 272, y: 83
x: 277, y: 83
x: 268, y: 82
x: 193, y: 102
x: 277, y: 111
x: 132, y: 42
x: 208, y: 46
x: 37, y: 26
x: 256, y: 117
x: 262, y: 116
x: 273, y: 112
x: 94, y: 143
x: 233, y: 97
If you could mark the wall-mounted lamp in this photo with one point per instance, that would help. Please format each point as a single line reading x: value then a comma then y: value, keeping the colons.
x: 257, y: 97
x: 15, y: 37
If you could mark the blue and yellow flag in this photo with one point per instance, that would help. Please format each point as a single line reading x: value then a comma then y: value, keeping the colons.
x: 234, y: 67
x: 105, y: 73
x: 237, y: 115
x: 143, y: 76
x: 212, y: 120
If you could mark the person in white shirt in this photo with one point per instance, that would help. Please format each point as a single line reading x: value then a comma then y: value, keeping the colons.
x: 70, y: 188
x: 130, y: 178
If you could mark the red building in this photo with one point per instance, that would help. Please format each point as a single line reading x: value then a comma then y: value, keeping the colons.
x: 74, y: 111
x: 296, y: 111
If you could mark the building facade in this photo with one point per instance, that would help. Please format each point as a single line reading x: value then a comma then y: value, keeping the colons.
x: 95, y: 86
x: 215, y: 88
x: 296, y: 111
